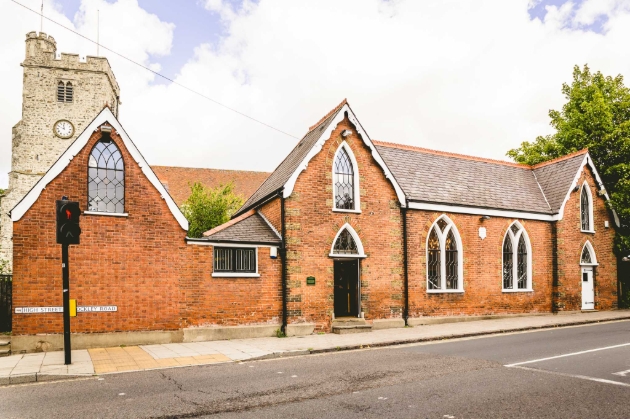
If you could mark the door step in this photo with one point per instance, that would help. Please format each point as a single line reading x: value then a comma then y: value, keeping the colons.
x: 5, y: 347
x: 345, y: 325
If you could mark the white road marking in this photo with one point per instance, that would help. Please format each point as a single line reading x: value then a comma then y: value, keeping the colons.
x: 121, y: 394
x: 565, y: 355
x: 582, y: 377
x: 622, y: 373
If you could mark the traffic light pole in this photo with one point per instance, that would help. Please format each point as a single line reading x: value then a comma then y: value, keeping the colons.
x: 66, y: 304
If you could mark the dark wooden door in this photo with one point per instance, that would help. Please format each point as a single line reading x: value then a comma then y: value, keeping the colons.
x: 347, y: 288
x: 6, y: 294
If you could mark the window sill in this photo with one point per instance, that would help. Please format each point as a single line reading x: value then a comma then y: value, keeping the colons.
x: 445, y: 291
x: 345, y: 210
x: 107, y: 214
x: 589, y: 264
x: 235, y: 275
x: 518, y: 290
x: 357, y: 256
x: 588, y: 231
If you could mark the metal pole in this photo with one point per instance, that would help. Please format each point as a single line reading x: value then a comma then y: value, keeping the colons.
x: 66, y: 304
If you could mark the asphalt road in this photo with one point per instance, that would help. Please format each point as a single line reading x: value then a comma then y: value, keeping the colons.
x: 575, y: 372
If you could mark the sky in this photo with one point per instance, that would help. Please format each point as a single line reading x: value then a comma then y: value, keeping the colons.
x: 472, y: 77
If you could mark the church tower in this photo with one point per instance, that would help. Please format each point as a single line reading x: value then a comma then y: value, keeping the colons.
x: 61, y: 95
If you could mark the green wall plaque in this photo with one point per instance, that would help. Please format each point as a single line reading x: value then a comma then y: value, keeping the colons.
x: 310, y: 280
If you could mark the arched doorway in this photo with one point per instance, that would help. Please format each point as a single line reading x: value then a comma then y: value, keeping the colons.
x: 347, y: 251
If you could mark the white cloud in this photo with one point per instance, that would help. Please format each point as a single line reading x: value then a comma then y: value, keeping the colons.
x: 470, y: 77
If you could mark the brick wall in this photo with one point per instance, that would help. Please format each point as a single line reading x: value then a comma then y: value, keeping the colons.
x: 311, y: 226
x: 570, y: 243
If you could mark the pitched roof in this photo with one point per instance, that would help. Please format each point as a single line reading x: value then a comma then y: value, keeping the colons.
x: 288, y: 166
x: 177, y: 180
x: 250, y: 227
x: 105, y: 116
x: 455, y: 179
x: 556, y: 176
x: 285, y: 175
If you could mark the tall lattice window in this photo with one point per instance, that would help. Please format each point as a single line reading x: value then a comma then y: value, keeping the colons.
x: 344, y: 180
x: 106, y: 178
x: 444, y: 257
x: 516, y: 259
x: 65, y: 92
x: 586, y: 208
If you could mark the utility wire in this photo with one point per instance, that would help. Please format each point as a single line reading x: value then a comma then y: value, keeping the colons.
x: 156, y: 73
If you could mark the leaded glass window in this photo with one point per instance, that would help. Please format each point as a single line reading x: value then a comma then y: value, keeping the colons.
x: 433, y: 262
x: 344, y: 181
x: 443, y: 257
x: 345, y: 244
x: 106, y: 178
x: 235, y: 260
x: 588, y: 255
x: 516, y: 259
x: 585, y: 208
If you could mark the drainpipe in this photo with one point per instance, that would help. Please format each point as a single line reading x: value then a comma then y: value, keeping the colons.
x: 283, y: 258
x: 554, y: 268
x: 403, y: 214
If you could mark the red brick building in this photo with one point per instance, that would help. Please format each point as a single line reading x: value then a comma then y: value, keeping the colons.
x: 347, y: 232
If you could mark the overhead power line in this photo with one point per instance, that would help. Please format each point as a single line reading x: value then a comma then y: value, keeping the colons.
x: 156, y: 73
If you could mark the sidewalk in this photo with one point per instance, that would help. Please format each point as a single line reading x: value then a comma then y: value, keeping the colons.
x: 49, y: 366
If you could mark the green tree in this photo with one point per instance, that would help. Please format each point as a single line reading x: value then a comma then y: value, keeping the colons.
x: 596, y: 116
x: 207, y: 208
x: 4, y: 267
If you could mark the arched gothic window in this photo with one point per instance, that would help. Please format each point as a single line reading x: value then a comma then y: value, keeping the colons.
x: 586, y: 208
x: 345, y: 180
x: 106, y: 178
x: 444, y: 257
x: 347, y: 243
x: 65, y: 92
x: 516, y: 259
x: 588, y: 255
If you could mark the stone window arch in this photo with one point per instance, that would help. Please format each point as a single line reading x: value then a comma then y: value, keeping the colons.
x: 347, y: 244
x: 517, y: 259
x: 345, y: 175
x: 445, y: 272
x: 106, y: 178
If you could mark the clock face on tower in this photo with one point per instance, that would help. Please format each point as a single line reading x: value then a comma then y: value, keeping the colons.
x: 63, y: 128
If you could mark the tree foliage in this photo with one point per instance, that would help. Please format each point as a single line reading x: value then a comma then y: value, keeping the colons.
x: 4, y: 267
x: 207, y: 208
x: 596, y: 116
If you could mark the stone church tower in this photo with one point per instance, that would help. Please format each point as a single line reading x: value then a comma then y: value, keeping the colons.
x: 61, y: 95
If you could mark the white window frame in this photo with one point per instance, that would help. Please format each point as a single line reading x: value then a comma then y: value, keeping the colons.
x: 591, y: 250
x: 357, y: 240
x: 589, y: 194
x: 515, y: 239
x: 235, y: 274
x: 355, y: 181
x: 442, y: 235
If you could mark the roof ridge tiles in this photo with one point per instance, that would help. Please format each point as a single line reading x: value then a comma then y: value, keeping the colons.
x: 229, y: 223
x: 449, y: 154
x: 335, y: 109
x: 559, y: 159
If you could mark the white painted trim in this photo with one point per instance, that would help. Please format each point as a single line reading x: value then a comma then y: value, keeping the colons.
x: 107, y: 214
x: 589, y: 194
x: 591, y: 250
x: 442, y: 235
x: 290, y: 184
x: 221, y: 244
x: 269, y: 224
x: 458, y: 291
x: 106, y: 116
x: 481, y: 211
x: 346, y: 211
x: 355, y: 179
x: 234, y: 275
x: 515, y: 239
x: 356, y: 238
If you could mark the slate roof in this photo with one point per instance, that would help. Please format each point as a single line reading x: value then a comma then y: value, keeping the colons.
x: 250, y: 227
x: 555, y: 177
x: 177, y: 180
x: 446, y: 178
x: 283, y: 172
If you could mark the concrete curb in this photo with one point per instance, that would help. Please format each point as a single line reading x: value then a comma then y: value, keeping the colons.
x: 37, y: 377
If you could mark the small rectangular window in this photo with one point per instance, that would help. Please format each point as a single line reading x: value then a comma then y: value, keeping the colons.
x: 236, y: 260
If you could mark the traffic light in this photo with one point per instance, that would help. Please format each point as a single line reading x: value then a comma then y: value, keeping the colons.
x: 68, y: 229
